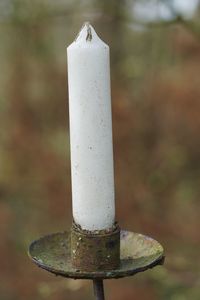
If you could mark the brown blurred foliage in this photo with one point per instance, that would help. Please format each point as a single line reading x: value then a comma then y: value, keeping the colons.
x: 156, y: 123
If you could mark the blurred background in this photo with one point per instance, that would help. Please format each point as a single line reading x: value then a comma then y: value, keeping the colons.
x: 155, y: 70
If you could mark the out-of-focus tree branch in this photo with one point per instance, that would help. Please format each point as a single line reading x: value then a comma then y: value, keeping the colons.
x: 191, y: 26
x: 40, y: 16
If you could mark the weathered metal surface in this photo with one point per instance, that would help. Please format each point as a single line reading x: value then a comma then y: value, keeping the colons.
x: 137, y: 253
x: 95, y: 251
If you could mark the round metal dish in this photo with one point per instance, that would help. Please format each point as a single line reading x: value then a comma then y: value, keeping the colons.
x: 137, y: 253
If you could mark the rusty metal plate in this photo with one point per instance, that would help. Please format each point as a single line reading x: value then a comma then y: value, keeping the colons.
x: 137, y: 254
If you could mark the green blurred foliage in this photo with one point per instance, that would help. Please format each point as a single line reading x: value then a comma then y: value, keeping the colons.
x: 156, y: 103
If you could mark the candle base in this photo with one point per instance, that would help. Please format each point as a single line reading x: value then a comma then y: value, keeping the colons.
x: 138, y: 253
x: 95, y: 250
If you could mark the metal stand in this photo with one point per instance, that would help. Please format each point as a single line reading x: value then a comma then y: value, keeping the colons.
x: 138, y: 253
x: 98, y: 289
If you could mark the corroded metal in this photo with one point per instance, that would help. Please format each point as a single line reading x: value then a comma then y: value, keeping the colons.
x: 95, y: 250
x: 137, y: 253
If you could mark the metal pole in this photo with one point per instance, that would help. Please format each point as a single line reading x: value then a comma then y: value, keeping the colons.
x: 98, y: 289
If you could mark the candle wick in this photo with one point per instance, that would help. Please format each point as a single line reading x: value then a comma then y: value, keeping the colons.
x: 89, y: 32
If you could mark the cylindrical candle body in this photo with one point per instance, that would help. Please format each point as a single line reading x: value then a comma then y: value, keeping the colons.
x: 91, y: 131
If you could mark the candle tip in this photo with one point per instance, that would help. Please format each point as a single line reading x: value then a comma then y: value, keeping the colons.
x: 88, y: 36
x: 89, y: 31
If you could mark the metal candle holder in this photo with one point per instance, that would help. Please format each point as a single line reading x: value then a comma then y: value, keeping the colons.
x: 98, y: 254
x: 95, y: 250
x: 84, y: 255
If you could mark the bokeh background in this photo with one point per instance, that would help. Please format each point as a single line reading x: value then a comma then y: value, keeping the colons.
x: 155, y: 70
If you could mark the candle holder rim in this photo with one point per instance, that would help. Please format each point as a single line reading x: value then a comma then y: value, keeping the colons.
x: 52, y: 253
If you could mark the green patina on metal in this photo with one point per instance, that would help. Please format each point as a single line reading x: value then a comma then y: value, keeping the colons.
x: 137, y: 253
x: 95, y: 250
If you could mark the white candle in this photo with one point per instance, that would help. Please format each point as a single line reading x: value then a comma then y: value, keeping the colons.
x: 91, y: 131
